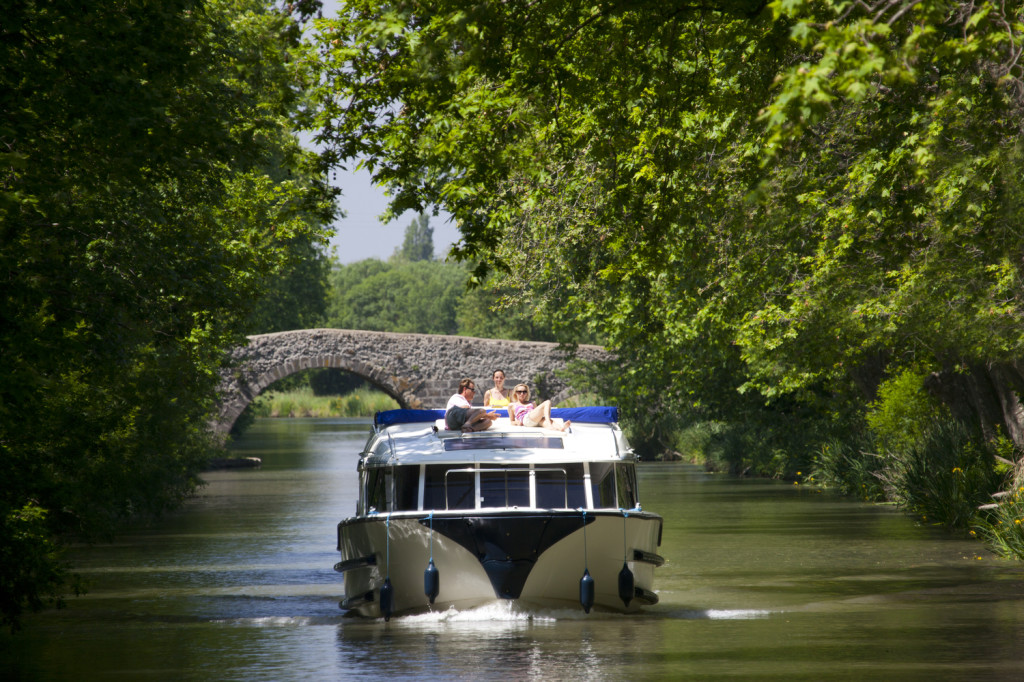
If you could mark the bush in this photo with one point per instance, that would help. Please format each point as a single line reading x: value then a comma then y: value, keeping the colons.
x: 744, y: 449
x: 850, y: 467
x: 718, y: 446
x: 303, y: 403
x: 695, y: 443
x: 899, y: 419
x: 364, y: 402
x: 945, y: 476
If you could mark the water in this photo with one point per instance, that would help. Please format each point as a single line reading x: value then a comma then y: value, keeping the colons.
x: 764, y: 580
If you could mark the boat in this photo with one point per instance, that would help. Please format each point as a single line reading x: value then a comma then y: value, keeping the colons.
x: 546, y: 518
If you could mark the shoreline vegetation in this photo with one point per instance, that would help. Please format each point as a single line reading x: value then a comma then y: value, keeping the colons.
x: 302, y: 402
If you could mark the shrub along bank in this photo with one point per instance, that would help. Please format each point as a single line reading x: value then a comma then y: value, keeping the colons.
x: 907, y: 450
x: 303, y: 402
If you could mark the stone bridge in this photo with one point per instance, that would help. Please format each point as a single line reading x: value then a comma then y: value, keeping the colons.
x: 417, y: 370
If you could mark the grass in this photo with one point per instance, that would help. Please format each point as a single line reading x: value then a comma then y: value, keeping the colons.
x: 301, y: 402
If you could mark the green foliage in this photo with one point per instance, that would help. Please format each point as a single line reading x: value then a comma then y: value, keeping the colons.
x: 903, y: 413
x: 758, y: 448
x: 150, y: 188
x: 363, y: 402
x: 698, y: 443
x: 486, y: 311
x: 427, y: 297
x: 32, y: 573
x: 419, y: 296
x: 296, y: 297
x: 851, y: 467
x: 943, y: 478
x: 419, y: 241
x: 912, y: 453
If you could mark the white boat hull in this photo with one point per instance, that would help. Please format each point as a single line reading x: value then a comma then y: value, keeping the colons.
x: 535, y: 557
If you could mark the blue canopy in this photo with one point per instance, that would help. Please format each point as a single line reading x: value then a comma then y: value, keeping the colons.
x: 587, y: 415
x: 391, y: 417
x: 583, y: 415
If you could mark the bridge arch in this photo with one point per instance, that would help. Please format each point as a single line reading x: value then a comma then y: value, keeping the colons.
x: 417, y: 370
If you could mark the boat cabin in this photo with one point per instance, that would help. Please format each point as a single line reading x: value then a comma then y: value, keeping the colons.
x: 418, y: 466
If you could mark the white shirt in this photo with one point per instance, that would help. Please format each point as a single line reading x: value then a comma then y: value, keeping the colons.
x: 457, y: 400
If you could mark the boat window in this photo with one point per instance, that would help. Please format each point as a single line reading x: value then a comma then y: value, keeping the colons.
x: 602, y: 484
x: 459, y: 487
x: 407, y: 488
x: 501, y: 487
x: 361, y: 503
x: 376, y: 490
x: 503, y: 443
x: 625, y: 476
x: 562, y: 489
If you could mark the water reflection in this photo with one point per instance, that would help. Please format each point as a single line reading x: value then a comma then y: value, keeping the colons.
x: 490, y: 642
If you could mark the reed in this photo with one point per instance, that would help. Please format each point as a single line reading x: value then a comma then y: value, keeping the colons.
x: 301, y: 402
x: 1001, y: 523
x: 945, y: 476
x: 851, y: 467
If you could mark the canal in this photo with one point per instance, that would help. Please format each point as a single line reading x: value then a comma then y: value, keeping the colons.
x: 764, y: 580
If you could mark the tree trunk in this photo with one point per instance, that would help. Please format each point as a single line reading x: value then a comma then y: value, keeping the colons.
x: 985, y: 397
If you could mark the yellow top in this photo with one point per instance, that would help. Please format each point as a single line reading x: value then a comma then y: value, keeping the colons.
x: 496, y: 400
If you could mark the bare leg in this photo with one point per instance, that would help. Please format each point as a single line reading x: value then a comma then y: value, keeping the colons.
x: 480, y: 421
x: 541, y: 416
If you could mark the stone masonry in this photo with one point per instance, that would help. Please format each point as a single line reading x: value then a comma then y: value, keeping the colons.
x: 417, y: 370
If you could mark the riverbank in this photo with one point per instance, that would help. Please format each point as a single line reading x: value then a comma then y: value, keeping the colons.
x: 301, y: 402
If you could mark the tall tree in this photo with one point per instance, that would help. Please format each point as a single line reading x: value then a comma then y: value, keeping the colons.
x: 149, y: 188
x: 419, y: 240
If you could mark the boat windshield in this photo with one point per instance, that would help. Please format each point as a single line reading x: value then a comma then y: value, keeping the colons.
x: 566, y: 485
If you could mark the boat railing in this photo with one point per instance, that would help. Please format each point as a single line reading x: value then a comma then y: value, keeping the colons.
x: 505, y: 471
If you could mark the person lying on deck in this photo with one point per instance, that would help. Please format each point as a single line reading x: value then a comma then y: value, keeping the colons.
x: 525, y: 413
x: 461, y: 415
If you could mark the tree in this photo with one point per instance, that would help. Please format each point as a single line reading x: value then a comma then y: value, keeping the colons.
x: 296, y: 298
x: 766, y: 209
x: 150, y: 187
x: 419, y: 240
x: 410, y: 297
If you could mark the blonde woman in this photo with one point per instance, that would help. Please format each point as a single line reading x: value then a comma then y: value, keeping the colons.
x: 497, y: 396
x: 523, y: 412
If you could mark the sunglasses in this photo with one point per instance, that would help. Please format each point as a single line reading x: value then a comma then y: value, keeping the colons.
x: 522, y: 391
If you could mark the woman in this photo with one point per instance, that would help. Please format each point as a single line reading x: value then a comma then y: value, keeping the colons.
x: 525, y: 413
x: 497, y: 397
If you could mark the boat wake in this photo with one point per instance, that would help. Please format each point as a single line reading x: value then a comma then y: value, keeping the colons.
x: 501, y: 614
x: 721, y: 614
x: 279, y: 621
x: 498, y: 612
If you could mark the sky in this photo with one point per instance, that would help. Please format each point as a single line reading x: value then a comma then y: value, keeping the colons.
x: 362, y: 235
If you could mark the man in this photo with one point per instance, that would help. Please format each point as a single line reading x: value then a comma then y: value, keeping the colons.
x: 460, y: 413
